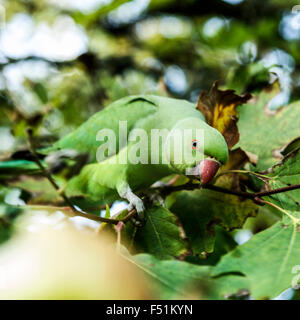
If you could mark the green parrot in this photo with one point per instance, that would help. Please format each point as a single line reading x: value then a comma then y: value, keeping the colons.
x: 107, y: 177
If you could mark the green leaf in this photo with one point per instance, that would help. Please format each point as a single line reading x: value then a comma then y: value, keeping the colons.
x: 107, y: 212
x: 224, y: 243
x: 263, y: 133
x: 283, y: 174
x: 178, y: 279
x: 161, y: 235
x: 199, y: 210
x: 8, y: 213
x: 267, y: 259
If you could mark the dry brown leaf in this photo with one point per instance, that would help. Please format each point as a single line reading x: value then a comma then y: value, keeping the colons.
x: 220, y: 110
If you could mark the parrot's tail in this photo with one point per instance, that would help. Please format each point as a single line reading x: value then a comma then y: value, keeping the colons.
x: 17, y: 167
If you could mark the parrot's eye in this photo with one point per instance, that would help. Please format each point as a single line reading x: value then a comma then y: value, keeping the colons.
x: 194, y: 144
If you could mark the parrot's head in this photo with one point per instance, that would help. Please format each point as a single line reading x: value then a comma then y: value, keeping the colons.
x: 196, y: 149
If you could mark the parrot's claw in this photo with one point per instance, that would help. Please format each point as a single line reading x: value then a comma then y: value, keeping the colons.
x: 135, y: 203
x: 138, y: 205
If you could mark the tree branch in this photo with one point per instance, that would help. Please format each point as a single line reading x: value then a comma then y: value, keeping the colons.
x: 279, y: 190
x: 248, y: 195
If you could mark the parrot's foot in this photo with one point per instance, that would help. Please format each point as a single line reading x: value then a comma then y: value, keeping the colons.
x: 135, y: 203
x: 138, y: 205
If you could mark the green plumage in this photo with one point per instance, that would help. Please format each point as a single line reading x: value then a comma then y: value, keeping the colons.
x: 104, y: 181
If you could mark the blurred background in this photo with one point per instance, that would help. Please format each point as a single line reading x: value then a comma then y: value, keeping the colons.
x: 63, y: 60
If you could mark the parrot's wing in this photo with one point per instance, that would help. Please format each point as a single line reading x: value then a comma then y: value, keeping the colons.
x: 83, y: 139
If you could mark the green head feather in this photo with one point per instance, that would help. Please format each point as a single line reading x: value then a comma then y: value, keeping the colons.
x: 191, y: 140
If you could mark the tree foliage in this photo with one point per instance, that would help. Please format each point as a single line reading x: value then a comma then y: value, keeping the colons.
x: 73, y: 60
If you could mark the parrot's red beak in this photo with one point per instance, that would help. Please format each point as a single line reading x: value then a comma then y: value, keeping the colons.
x: 208, y: 169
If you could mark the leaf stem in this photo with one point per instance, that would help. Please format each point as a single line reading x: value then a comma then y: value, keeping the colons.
x: 70, y: 212
x: 242, y: 171
x: 295, y: 220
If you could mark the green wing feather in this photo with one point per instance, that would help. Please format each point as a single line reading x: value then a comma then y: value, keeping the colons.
x: 83, y: 139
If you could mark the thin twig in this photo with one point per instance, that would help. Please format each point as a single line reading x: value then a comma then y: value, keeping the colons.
x: 242, y: 194
x: 70, y: 212
x: 130, y: 214
x: 279, y: 190
x: 253, y: 195
x: 192, y: 186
